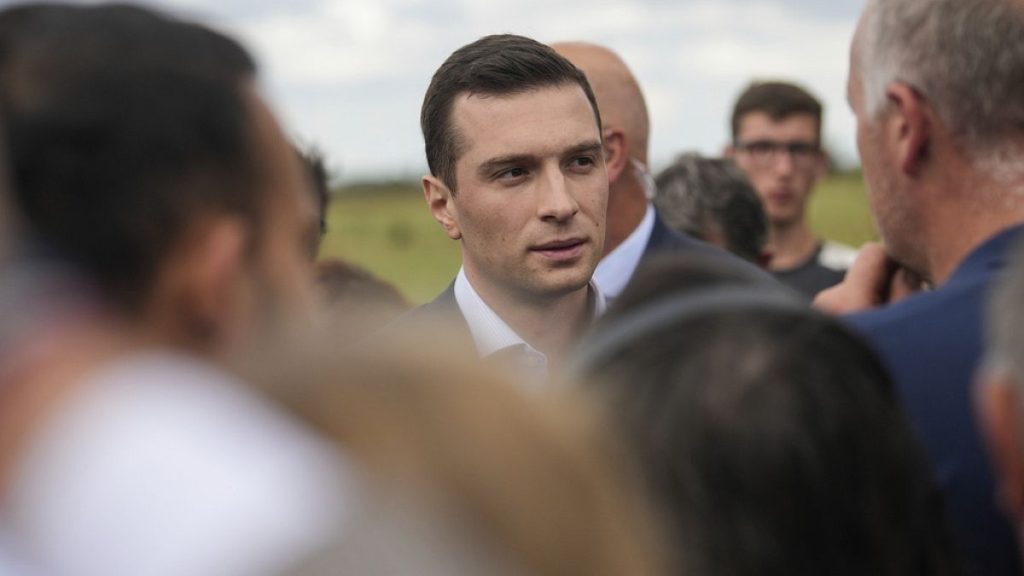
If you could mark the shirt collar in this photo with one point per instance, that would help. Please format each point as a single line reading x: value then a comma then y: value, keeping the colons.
x: 491, y: 333
x: 615, y: 269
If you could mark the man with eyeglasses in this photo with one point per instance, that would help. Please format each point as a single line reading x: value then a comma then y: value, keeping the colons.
x: 776, y: 140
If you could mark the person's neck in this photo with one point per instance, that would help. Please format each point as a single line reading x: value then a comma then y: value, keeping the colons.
x: 627, y: 205
x: 791, y: 245
x: 552, y: 325
x: 43, y: 375
x: 961, y: 223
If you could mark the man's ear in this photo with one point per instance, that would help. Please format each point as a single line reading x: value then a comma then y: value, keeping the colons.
x: 616, y: 153
x: 908, y: 128
x: 442, y: 205
x: 221, y: 276
x: 203, y: 293
x: 999, y: 408
x: 729, y: 152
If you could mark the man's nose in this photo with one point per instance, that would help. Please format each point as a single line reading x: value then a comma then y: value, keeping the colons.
x: 557, y: 201
x: 783, y: 161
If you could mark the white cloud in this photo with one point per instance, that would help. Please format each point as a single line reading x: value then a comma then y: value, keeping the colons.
x: 350, y: 74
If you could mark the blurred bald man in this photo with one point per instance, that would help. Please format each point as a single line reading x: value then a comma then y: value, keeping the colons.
x: 634, y: 229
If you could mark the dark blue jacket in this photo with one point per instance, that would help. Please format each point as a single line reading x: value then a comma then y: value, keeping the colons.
x: 664, y: 238
x: 932, y: 344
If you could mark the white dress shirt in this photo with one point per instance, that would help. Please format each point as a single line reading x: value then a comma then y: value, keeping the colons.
x: 491, y: 334
x: 615, y: 269
x: 164, y: 466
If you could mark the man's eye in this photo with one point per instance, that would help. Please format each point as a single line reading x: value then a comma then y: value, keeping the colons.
x: 511, y: 174
x: 583, y: 162
x: 761, y: 147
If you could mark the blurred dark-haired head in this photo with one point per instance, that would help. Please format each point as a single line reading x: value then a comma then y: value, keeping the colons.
x: 769, y: 432
x: 354, y: 302
x: 142, y: 153
x: 711, y: 199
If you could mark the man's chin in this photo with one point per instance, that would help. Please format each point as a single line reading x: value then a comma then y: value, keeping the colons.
x: 555, y: 289
x: 783, y: 220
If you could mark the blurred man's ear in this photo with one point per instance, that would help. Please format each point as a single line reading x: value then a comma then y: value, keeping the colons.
x: 616, y: 153
x: 205, y: 296
x: 1002, y: 416
x: 442, y: 206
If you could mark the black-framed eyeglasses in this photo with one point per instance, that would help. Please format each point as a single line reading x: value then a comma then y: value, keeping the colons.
x: 765, y: 152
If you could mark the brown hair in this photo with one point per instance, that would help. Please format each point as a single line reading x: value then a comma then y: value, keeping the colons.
x: 779, y: 100
x: 493, y: 65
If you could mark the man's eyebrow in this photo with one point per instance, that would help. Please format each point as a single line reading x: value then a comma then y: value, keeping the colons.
x: 489, y: 166
x: 584, y: 148
x: 494, y: 163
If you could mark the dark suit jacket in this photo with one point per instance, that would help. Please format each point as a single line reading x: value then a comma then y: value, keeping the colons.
x: 440, y: 316
x: 443, y: 308
x: 666, y: 240
x: 932, y: 344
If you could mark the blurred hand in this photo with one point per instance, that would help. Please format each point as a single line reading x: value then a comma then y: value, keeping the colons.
x: 874, y: 280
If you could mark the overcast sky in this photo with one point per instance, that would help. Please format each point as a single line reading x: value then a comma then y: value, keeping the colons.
x: 350, y: 75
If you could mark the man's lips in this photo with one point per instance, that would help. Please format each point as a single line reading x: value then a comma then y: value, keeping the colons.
x: 780, y: 195
x: 560, y: 249
x: 560, y: 244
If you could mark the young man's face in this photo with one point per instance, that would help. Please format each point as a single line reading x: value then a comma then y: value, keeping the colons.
x: 532, y: 192
x: 783, y: 160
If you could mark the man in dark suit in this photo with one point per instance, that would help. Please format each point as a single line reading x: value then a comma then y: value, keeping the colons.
x: 517, y: 176
x: 935, y: 87
x: 635, y: 230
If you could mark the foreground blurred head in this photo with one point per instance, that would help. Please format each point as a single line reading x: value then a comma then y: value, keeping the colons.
x: 467, y: 474
x: 142, y: 153
x: 769, y: 432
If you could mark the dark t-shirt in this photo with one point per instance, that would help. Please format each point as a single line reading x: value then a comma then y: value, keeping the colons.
x: 825, y: 268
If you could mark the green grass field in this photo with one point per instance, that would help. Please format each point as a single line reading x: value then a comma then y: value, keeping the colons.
x: 387, y: 229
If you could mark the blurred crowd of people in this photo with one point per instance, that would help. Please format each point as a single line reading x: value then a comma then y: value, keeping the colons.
x: 630, y: 374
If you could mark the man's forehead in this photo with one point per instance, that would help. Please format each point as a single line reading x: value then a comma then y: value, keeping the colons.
x: 758, y: 124
x: 551, y: 115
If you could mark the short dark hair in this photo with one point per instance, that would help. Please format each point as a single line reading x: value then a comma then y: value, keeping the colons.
x: 698, y: 194
x: 313, y: 161
x: 122, y: 126
x: 496, y: 65
x: 779, y: 100
x: 770, y: 433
